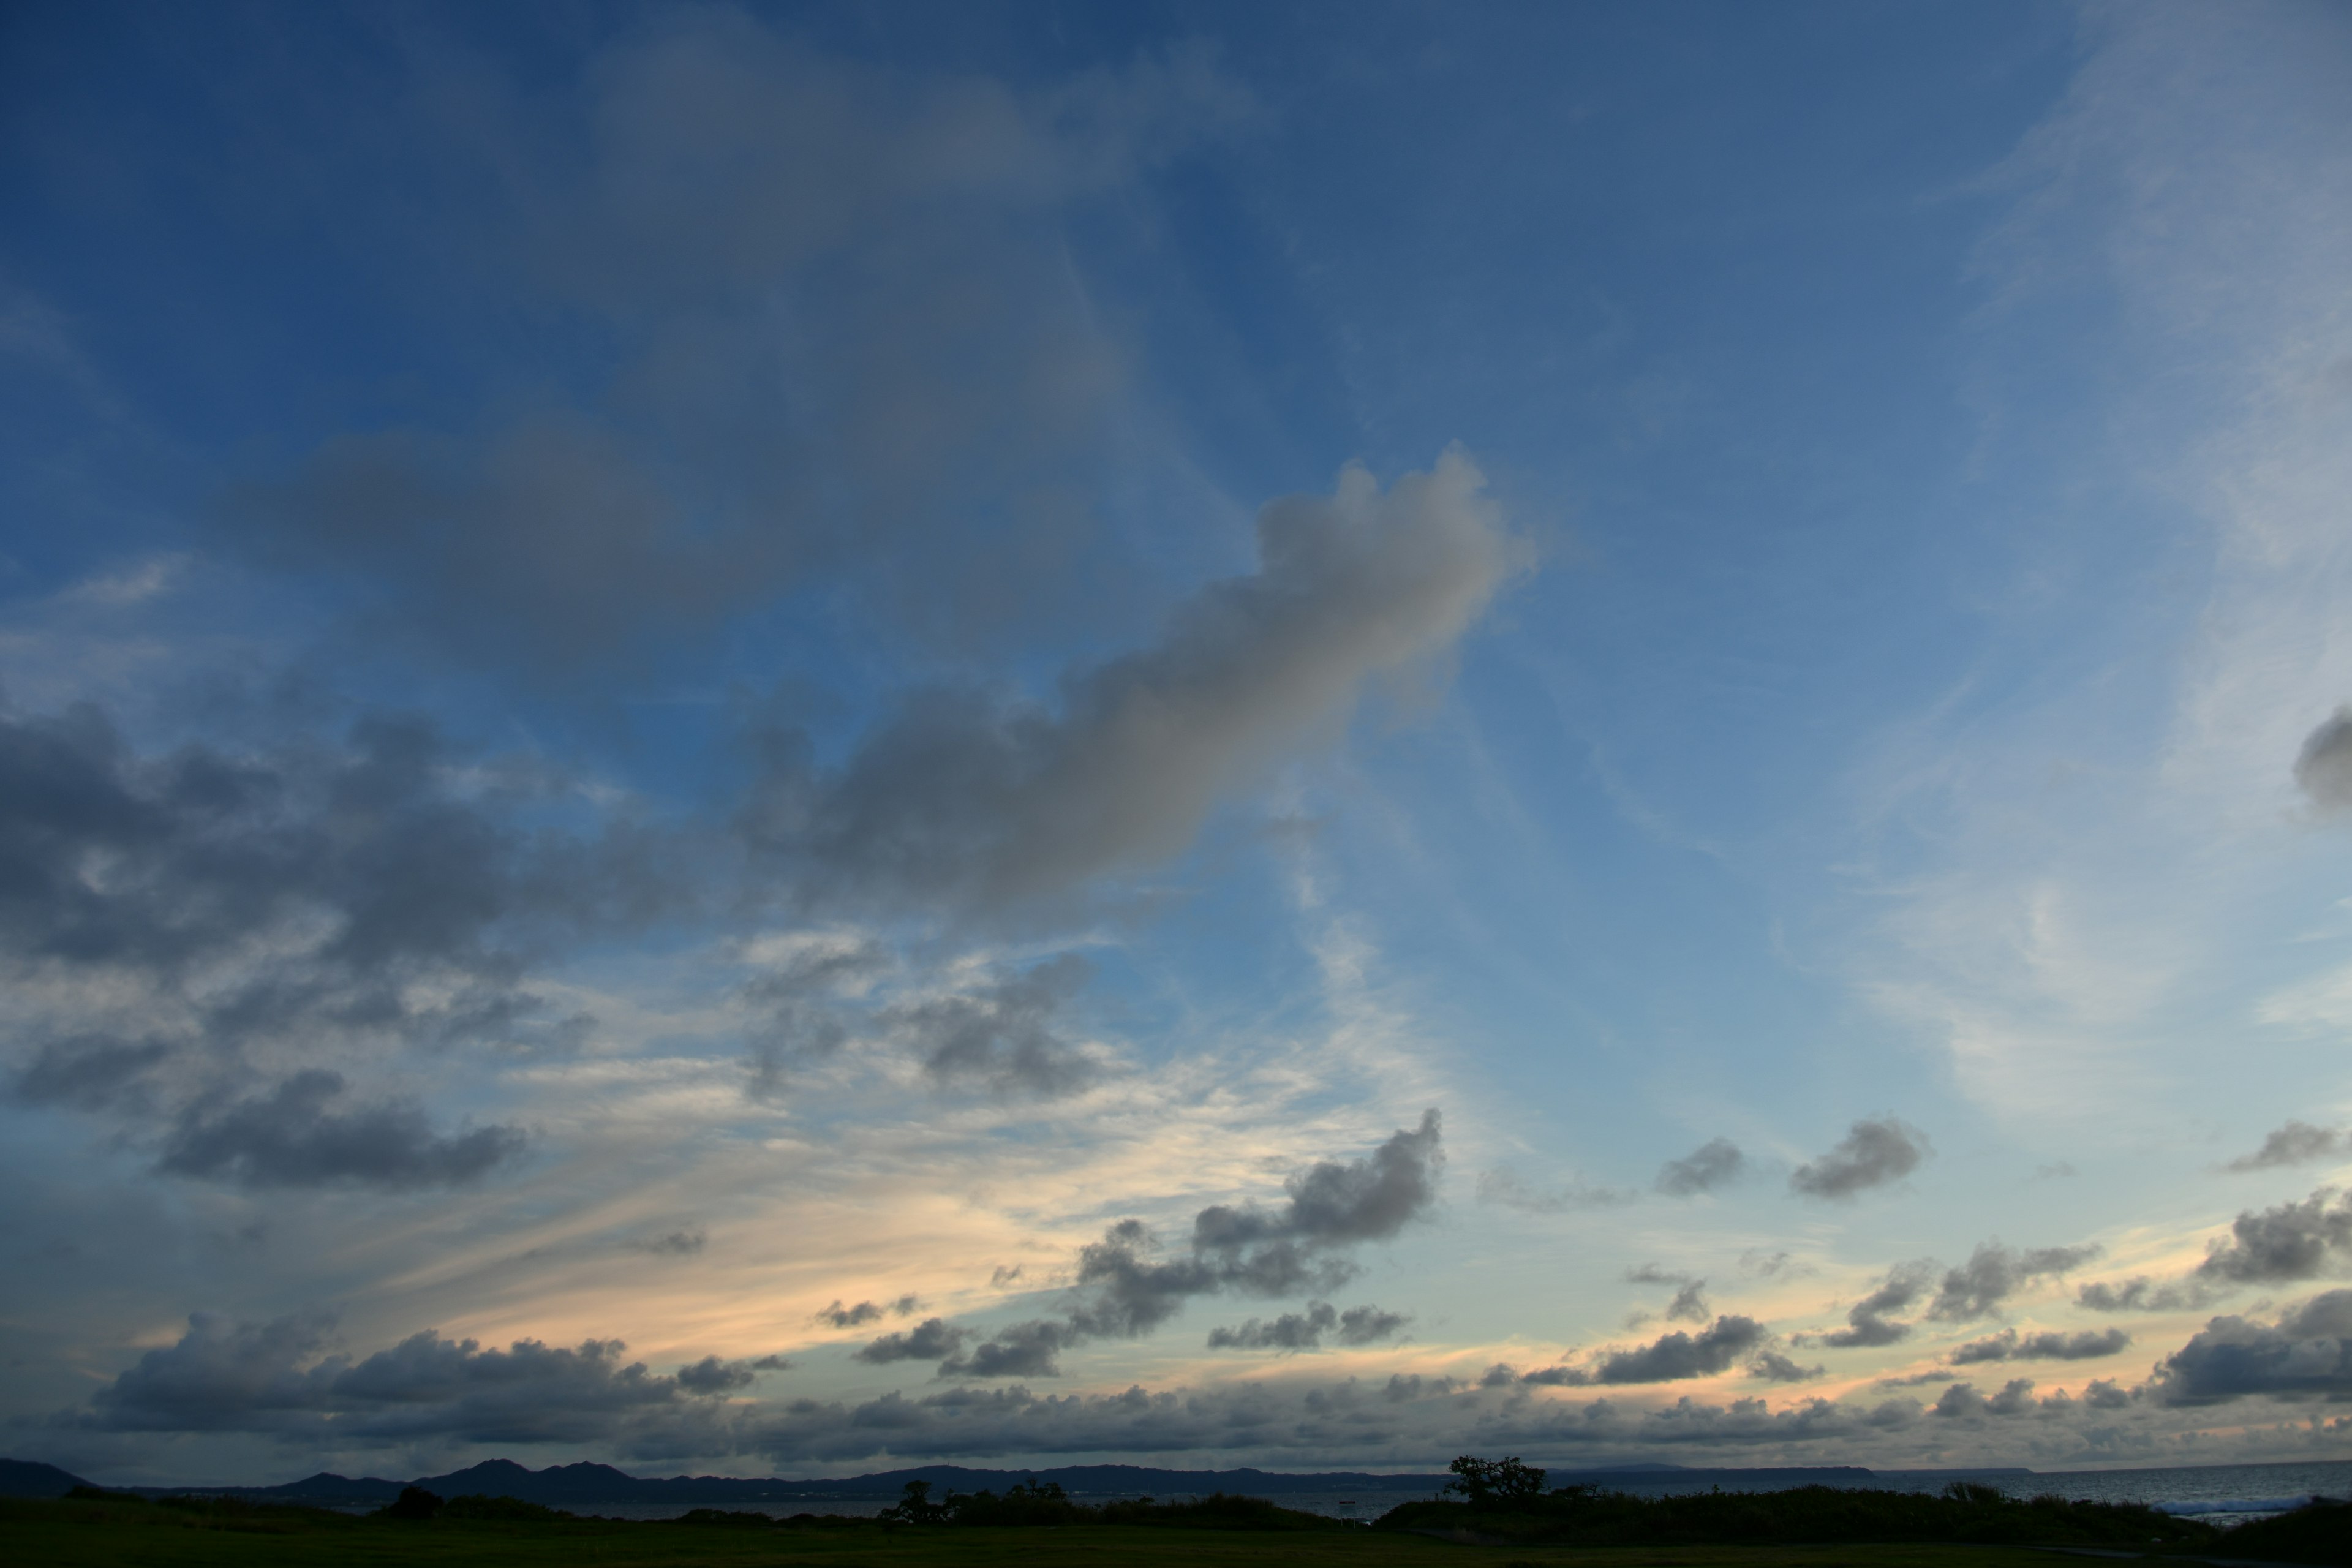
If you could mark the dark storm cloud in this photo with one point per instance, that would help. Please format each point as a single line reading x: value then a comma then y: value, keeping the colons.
x: 1869, y: 1322
x: 2295, y: 1143
x: 1001, y: 1040
x: 2324, y: 766
x: 978, y: 802
x: 1126, y: 1288
x: 835, y: 328
x: 2293, y: 1241
x: 271, y: 900
x: 1306, y: 1330
x: 2306, y: 1354
x: 1993, y: 1273
x: 1875, y: 1152
x: 2008, y: 1346
x: 289, y: 1136
x: 271, y: 1377
x: 1715, y: 1164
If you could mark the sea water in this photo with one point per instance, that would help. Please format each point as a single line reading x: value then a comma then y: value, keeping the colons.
x: 2219, y: 1494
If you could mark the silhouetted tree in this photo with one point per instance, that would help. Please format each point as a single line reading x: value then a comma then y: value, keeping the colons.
x: 1495, y: 1480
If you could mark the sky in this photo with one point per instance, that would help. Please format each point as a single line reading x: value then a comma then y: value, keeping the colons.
x: 791, y: 739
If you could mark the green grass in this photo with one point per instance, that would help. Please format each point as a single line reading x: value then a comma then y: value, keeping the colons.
x: 149, y: 1535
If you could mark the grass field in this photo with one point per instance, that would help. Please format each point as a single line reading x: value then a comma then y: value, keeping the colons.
x: 37, y: 1534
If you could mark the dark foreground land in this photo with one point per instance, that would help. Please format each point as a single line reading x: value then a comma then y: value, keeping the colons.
x: 1813, y: 1527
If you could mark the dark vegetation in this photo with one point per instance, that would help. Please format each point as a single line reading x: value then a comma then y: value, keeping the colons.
x: 2320, y: 1532
x: 1496, y: 1504
x: 1503, y: 1503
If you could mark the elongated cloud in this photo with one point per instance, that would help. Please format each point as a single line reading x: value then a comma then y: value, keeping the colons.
x: 2085, y: 1345
x: 1717, y: 1162
x: 1876, y: 1151
x: 291, y: 1137
x: 2295, y: 1143
x: 1307, y: 1330
x: 2324, y: 766
x: 1670, y: 1358
x: 977, y: 801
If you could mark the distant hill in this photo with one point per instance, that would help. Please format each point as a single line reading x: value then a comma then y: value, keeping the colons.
x: 586, y: 1484
x: 29, y: 1477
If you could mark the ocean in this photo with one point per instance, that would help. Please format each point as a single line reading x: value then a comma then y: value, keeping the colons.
x: 2221, y: 1494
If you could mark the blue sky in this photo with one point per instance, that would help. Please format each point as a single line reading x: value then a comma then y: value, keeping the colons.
x: 704, y: 690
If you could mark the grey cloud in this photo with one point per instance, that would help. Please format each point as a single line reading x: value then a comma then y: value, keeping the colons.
x: 2103, y: 1394
x: 841, y: 1317
x: 1993, y: 1273
x: 713, y: 1375
x: 1678, y: 1355
x: 270, y: 1377
x: 977, y: 802
x: 841, y: 330
x: 798, y: 1004
x: 1962, y: 1402
x: 1774, y: 1367
x: 2324, y: 766
x: 1306, y: 1330
x: 2291, y: 1241
x: 683, y: 1243
x: 1670, y: 1358
x: 1869, y: 1323
x: 2296, y: 1143
x: 1689, y: 1303
x: 289, y: 1137
x: 2085, y: 1345
x: 1025, y: 1350
x: 88, y: 1072
x: 1351, y: 1416
x: 929, y: 1340
x: 2139, y: 1294
x: 2308, y: 1354
x: 1874, y: 1152
x: 1125, y: 1288
x: 1503, y: 1186
x: 1715, y: 1164
x: 1916, y: 1379
x: 1001, y: 1039
x: 274, y: 902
